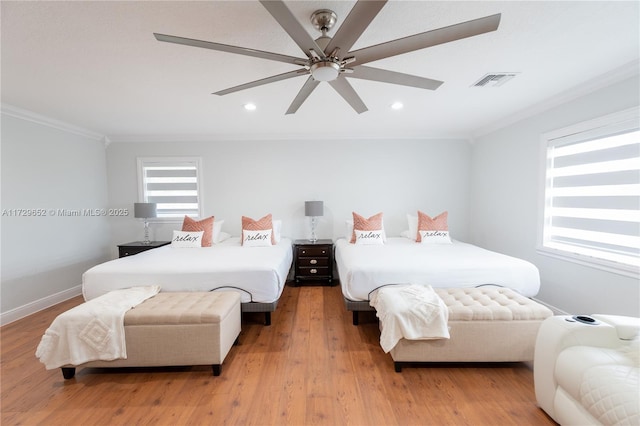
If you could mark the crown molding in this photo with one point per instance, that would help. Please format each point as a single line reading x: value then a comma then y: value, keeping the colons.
x: 23, y: 114
x: 241, y: 137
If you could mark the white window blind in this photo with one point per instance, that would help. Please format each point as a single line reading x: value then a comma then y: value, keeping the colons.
x: 592, y: 191
x: 172, y: 183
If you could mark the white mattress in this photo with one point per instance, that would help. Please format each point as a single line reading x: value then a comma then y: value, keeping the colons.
x: 363, y: 268
x: 260, y: 271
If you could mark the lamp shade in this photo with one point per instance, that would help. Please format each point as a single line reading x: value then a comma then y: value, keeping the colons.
x: 144, y: 210
x: 313, y: 208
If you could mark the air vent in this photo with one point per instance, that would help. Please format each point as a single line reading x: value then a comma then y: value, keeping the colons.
x: 494, y: 79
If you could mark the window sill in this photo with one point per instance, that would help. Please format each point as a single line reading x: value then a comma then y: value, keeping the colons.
x: 603, y: 265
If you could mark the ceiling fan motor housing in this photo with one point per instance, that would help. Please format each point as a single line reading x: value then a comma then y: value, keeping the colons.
x: 326, y: 69
x: 324, y: 19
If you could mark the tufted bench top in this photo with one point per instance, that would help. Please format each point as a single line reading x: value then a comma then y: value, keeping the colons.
x: 490, y: 304
x: 183, y: 308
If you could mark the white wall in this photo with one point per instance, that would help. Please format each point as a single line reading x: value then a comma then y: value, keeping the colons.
x: 504, y: 204
x: 46, y: 167
x: 490, y: 190
x: 253, y: 178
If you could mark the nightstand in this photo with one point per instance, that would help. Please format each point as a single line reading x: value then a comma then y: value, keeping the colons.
x: 129, y: 249
x: 313, y: 261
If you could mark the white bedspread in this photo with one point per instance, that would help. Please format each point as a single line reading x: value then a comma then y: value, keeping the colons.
x: 260, y: 272
x: 413, y: 312
x: 91, y: 331
x: 363, y: 268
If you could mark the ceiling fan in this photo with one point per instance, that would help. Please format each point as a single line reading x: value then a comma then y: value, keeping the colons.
x: 330, y: 58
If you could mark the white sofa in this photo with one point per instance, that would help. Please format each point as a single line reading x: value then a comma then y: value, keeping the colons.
x: 586, y: 369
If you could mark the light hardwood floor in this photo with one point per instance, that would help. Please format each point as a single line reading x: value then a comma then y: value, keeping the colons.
x: 311, y: 366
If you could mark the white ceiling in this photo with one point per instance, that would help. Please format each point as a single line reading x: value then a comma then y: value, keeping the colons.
x: 97, y: 65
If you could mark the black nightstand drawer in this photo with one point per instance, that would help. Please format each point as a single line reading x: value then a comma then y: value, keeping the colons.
x: 312, y: 251
x: 129, y: 249
x: 313, y: 261
x: 322, y: 271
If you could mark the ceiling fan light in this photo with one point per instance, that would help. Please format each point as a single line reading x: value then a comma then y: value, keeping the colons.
x: 325, y: 71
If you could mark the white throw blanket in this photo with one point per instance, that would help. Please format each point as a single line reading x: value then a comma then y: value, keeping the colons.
x: 413, y: 312
x: 91, y: 331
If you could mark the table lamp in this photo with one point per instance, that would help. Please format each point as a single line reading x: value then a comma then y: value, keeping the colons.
x: 145, y: 211
x: 313, y: 209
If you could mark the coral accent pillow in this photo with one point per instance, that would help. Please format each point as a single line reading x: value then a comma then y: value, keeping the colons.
x: 374, y: 223
x: 262, y: 224
x: 435, y: 229
x: 205, y: 225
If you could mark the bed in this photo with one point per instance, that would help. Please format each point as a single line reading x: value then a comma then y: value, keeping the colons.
x: 364, y: 268
x: 257, y: 273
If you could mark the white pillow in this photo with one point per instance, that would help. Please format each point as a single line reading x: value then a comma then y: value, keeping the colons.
x: 217, y: 229
x: 369, y: 237
x: 183, y: 239
x: 277, y: 227
x: 349, y: 227
x: 260, y: 238
x: 413, y: 226
x: 435, y: 237
x: 222, y: 236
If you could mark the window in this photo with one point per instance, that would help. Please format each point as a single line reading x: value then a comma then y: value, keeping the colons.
x: 173, y: 183
x: 591, y: 210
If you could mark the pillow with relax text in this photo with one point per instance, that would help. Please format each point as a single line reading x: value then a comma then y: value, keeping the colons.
x: 182, y: 239
x: 368, y: 237
x: 261, y: 238
x: 263, y: 224
x: 360, y: 223
x: 433, y: 230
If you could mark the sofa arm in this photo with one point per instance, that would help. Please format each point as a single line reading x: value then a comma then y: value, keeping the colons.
x: 628, y: 328
x: 556, y: 334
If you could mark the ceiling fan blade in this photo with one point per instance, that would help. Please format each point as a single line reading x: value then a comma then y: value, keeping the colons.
x: 354, y: 25
x: 426, y: 39
x: 227, y: 48
x: 342, y: 86
x: 384, y: 76
x: 260, y: 82
x: 290, y: 24
x: 303, y: 94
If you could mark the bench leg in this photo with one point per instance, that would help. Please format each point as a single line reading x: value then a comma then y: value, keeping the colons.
x: 217, y: 369
x: 267, y: 318
x: 398, y: 367
x: 355, y: 318
x: 68, y: 372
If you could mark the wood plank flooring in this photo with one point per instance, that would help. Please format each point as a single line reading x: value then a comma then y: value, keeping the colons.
x: 310, y: 367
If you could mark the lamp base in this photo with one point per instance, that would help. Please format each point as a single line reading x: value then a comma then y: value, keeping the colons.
x: 146, y: 234
x: 314, y: 221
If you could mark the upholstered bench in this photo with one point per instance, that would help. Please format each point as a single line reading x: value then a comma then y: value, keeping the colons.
x: 486, y: 324
x: 177, y: 329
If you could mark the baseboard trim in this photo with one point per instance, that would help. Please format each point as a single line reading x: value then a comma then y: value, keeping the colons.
x: 38, y: 305
x: 555, y: 310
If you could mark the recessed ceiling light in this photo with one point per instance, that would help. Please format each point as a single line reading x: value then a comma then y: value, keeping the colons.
x: 396, y: 105
x: 250, y: 107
